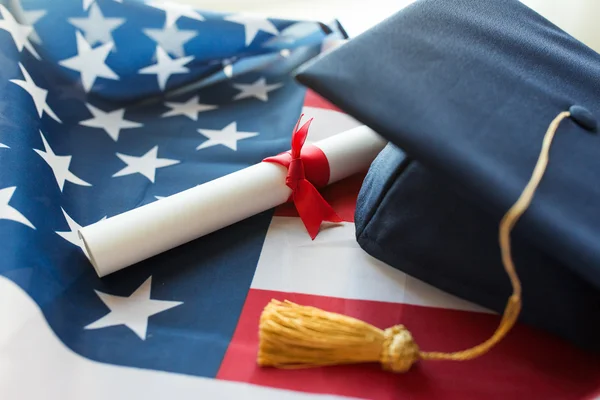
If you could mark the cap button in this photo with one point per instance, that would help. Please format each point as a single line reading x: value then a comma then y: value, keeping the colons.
x: 583, y: 117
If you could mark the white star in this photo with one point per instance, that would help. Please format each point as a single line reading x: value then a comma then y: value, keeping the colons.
x: 59, y: 166
x: 228, y: 136
x: 258, y: 89
x: 132, y: 311
x: 3, y: 146
x: 97, y: 29
x: 72, y: 236
x: 29, y: 17
x: 37, y: 94
x: 253, y: 24
x: 171, y: 39
x: 32, y: 17
x: 18, y: 32
x: 166, y: 66
x: 174, y: 11
x: 9, y: 213
x: 145, y: 165
x: 189, y: 108
x: 112, y: 122
x: 90, y: 62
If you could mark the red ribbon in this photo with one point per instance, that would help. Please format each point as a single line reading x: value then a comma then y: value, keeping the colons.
x: 303, y: 162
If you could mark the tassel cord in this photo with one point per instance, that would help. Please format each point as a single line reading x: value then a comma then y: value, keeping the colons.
x: 513, y: 307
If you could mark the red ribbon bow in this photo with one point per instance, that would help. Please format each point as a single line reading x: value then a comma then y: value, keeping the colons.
x: 311, y: 206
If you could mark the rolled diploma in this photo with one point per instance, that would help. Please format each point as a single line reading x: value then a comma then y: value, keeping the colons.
x: 125, y: 239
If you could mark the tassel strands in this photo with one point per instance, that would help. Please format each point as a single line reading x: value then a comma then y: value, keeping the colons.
x: 296, y: 336
x: 293, y: 336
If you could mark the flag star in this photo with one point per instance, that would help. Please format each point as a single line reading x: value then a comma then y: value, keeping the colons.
x: 171, y: 39
x: 97, y: 29
x: 253, y: 24
x: 132, y: 311
x: 38, y: 94
x: 72, y: 236
x: 174, y: 11
x: 112, y: 122
x: 258, y: 89
x: 19, y: 33
x: 27, y: 17
x: 59, y: 166
x: 10, y: 213
x: 166, y: 66
x: 145, y: 165
x: 189, y: 108
x: 3, y: 146
x: 90, y: 63
x: 32, y: 17
x: 228, y: 136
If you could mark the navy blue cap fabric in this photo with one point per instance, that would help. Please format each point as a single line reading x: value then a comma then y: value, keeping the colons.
x: 465, y: 90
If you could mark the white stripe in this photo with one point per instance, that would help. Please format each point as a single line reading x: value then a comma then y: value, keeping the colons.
x: 335, y: 265
x: 35, y: 364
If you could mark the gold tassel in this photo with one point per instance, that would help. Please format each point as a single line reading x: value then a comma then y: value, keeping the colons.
x: 293, y: 336
x: 296, y: 336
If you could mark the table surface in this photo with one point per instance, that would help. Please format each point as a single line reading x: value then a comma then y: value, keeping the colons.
x: 577, y: 17
x: 355, y: 15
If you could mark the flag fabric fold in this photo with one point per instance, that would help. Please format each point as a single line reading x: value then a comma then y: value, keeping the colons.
x: 131, y: 50
x: 106, y: 105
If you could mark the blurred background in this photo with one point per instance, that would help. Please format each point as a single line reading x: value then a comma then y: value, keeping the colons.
x: 577, y: 17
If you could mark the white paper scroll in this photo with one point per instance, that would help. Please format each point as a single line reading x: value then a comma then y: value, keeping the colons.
x: 125, y: 239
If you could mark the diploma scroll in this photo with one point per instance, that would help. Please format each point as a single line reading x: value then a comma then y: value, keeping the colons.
x: 133, y: 236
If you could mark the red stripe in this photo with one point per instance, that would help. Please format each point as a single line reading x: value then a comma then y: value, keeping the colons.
x: 526, y: 365
x: 312, y: 99
x: 341, y: 195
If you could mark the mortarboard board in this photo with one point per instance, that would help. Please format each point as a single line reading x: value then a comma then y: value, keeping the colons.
x: 465, y: 90
x: 470, y: 94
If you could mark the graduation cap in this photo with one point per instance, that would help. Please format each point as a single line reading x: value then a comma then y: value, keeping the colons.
x: 489, y: 188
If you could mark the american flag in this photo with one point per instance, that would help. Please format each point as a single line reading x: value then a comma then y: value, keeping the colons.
x: 106, y: 105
